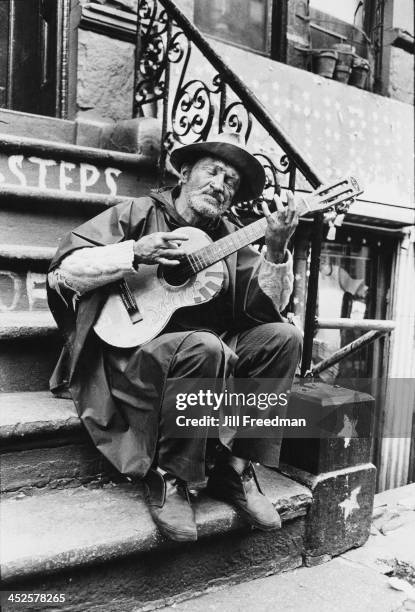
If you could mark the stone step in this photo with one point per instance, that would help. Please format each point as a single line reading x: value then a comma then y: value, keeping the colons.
x: 22, y: 325
x: 15, y: 123
x: 29, y: 349
x: 20, y: 253
x: 101, y: 549
x: 34, y: 415
x: 45, y: 446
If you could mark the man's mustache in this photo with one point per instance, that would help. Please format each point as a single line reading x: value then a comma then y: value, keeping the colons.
x: 216, y: 195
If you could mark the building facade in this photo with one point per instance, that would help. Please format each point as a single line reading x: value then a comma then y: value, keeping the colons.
x: 337, y: 76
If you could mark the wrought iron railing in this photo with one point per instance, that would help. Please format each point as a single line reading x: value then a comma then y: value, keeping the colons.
x: 192, y: 107
x: 180, y: 78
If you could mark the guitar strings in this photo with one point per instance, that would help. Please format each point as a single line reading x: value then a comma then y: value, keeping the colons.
x: 180, y: 273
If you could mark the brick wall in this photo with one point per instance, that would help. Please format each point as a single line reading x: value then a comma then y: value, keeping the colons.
x: 105, y: 75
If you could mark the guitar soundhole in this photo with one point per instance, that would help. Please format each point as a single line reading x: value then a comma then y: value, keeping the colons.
x: 175, y: 276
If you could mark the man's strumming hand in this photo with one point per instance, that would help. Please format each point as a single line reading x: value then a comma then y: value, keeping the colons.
x: 160, y: 248
x: 280, y: 227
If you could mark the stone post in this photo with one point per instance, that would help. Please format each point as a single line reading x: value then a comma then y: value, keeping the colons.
x: 335, y: 466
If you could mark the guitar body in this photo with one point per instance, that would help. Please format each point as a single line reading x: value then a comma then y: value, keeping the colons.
x: 157, y: 300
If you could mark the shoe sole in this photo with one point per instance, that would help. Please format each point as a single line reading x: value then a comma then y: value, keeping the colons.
x: 183, y: 536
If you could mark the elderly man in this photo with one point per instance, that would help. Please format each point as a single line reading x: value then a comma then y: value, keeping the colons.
x: 120, y: 393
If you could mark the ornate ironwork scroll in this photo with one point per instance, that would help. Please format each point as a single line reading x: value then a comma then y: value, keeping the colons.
x: 151, y: 56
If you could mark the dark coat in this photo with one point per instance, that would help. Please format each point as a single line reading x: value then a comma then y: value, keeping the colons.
x: 126, y: 433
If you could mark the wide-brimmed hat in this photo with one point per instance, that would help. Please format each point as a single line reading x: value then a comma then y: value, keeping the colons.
x: 229, y: 148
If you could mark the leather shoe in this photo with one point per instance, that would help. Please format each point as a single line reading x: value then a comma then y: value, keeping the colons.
x: 169, y: 504
x: 243, y: 492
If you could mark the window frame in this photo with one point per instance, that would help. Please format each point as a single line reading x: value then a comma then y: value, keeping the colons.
x: 275, y: 31
x: 54, y: 67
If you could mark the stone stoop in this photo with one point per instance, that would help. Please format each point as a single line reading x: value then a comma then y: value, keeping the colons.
x: 69, y: 527
x: 51, y: 535
x: 101, y: 549
x: 69, y: 524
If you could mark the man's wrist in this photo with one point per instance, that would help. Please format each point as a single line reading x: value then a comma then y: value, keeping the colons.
x: 136, y: 256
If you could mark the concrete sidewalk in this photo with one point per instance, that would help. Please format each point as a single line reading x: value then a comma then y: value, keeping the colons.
x: 379, y: 577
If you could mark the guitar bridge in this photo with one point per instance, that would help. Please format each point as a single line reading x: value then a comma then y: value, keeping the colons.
x: 129, y: 302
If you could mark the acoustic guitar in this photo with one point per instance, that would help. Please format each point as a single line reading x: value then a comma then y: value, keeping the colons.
x: 140, y: 305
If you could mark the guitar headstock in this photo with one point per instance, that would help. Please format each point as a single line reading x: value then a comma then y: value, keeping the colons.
x: 336, y: 197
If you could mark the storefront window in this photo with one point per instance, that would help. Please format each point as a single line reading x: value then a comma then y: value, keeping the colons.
x: 345, y: 291
x: 243, y: 23
x: 353, y: 284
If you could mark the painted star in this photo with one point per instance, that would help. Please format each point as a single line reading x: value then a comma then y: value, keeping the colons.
x: 350, y: 503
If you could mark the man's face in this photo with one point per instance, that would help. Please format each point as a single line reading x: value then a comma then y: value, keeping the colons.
x: 209, y: 186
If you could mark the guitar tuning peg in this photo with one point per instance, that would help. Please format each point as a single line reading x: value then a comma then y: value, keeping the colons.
x: 331, y: 234
x: 338, y: 221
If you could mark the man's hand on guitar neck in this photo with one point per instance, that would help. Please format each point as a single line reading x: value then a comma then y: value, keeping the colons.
x: 280, y: 227
x: 159, y: 248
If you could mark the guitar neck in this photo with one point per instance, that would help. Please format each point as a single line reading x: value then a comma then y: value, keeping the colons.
x: 211, y: 254
x: 344, y: 191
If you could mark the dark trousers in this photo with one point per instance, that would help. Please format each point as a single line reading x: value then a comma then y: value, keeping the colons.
x: 271, y: 350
